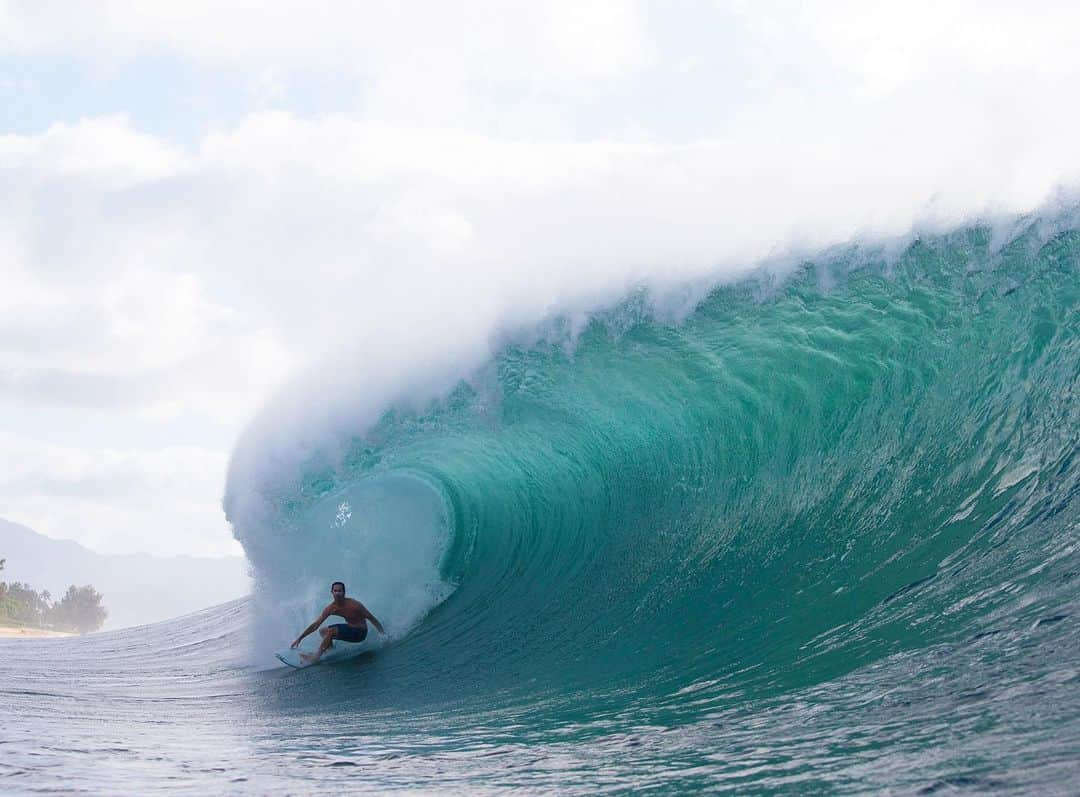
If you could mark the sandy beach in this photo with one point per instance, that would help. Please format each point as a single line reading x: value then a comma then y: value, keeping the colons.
x: 14, y: 632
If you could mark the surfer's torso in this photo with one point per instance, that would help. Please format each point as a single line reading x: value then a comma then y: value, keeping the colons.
x: 351, y: 610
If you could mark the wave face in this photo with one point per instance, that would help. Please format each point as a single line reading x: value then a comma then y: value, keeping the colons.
x: 805, y: 487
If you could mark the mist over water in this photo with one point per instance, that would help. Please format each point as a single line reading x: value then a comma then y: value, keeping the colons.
x: 819, y: 534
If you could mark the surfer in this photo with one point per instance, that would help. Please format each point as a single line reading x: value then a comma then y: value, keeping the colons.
x: 354, y: 629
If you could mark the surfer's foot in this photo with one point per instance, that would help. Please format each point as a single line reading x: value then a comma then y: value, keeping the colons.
x: 309, y: 658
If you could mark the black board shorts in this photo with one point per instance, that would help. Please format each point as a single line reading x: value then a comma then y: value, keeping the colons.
x: 349, y: 633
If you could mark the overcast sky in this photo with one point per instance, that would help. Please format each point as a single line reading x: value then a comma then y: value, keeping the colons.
x: 198, y: 198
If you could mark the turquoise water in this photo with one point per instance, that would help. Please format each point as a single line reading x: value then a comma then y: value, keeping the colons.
x: 821, y: 535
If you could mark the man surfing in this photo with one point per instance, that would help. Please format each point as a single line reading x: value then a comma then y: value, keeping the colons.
x: 354, y: 629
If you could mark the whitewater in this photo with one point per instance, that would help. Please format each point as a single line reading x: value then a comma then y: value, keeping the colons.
x: 815, y: 532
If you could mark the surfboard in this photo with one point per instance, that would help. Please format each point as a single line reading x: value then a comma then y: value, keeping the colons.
x: 339, y: 652
x: 292, y: 658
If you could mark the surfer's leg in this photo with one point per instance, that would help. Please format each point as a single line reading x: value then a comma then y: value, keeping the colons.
x: 328, y: 635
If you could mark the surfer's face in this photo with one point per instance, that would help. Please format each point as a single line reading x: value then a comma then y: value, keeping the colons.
x: 338, y: 592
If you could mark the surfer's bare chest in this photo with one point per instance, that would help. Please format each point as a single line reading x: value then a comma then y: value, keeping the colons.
x: 351, y: 611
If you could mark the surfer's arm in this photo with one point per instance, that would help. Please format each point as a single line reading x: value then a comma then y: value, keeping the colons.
x: 368, y: 615
x: 312, y: 627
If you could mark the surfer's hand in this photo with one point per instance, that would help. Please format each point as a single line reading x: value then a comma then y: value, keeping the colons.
x: 296, y: 643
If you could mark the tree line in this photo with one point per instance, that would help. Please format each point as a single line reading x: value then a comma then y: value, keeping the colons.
x: 79, y: 610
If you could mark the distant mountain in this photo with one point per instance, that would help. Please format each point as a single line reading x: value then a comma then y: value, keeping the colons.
x: 137, y: 588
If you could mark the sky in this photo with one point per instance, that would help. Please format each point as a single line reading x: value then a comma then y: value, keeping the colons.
x: 199, y: 201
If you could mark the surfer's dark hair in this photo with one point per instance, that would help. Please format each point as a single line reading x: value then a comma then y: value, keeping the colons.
x: 342, y: 583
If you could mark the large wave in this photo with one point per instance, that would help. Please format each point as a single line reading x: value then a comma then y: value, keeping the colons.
x: 872, y: 455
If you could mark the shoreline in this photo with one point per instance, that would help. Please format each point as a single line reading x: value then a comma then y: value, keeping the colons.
x: 17, y: 632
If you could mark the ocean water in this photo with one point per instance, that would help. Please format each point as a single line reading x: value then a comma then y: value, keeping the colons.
x: 821, y: 535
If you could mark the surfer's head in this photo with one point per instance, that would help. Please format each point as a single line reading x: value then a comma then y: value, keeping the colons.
x: 337, y: 589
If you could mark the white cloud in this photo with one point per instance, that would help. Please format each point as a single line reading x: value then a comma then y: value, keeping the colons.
x: 163, y: 501
x: 552, y: 44
x: 105, y: 148
x: 103, y: 299
x: 884, y: 44
x: 447, y: 64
